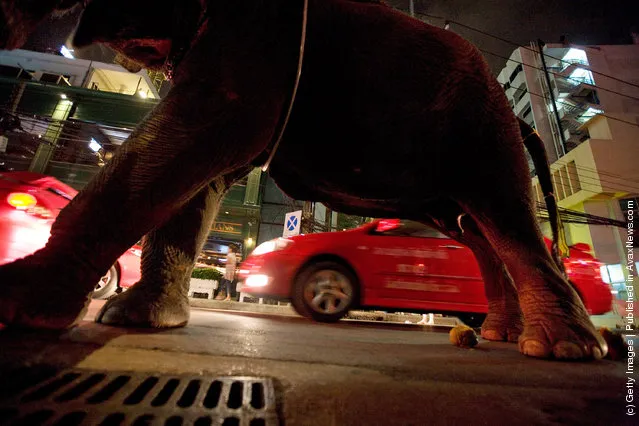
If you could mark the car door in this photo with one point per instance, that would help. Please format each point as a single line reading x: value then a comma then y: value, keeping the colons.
x: 415, y: 265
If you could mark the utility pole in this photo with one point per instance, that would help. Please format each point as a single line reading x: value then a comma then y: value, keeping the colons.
x: 560, y: 128
x: 411, y: 8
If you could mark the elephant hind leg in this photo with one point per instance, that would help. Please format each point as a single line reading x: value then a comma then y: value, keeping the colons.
x: 504, y: 320
x: 160, y: 298
x: 555, y: 320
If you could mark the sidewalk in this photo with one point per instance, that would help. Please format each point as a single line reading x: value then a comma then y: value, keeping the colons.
x: 287, y: 310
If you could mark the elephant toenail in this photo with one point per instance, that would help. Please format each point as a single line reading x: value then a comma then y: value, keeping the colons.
x: 569, y: 350
x: 534, y: 348
x: 493, y: 335
x: 597, y: 353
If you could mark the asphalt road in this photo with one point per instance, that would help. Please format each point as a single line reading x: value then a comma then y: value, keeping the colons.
x: 350, y: 373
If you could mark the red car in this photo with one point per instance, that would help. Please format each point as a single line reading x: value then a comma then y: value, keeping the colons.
x: 29, y: 203
x: 392, y: 265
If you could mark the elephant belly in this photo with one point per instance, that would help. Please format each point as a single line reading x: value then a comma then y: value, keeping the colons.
x: 357, y: 194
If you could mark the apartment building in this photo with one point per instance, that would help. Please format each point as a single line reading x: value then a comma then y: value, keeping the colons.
x: 584, y: 102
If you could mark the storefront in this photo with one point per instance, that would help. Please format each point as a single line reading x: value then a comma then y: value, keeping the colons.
x: 237, y: 231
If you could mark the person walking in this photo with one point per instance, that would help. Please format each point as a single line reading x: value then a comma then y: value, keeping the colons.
x: 229, y: 275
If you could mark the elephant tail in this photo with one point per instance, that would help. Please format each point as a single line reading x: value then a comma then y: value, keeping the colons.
x: 537, y: 151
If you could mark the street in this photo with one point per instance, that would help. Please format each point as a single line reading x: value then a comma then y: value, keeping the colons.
x: 349, y: 373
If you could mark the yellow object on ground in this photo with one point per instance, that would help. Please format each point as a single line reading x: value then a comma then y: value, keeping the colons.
x: 463, y: 336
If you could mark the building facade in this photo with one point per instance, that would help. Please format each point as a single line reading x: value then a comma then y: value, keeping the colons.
x: 584, y: 102
x: 73, y: 114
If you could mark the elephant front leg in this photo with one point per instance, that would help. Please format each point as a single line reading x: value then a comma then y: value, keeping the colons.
x: 171, y: 157
x: 160, y: 298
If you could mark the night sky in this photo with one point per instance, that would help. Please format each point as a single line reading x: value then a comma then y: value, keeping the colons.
x: 520, y: 21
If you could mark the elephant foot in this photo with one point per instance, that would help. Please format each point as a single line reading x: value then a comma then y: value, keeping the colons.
x: 558, y: 328
x: 503, y: 323
x: 34, y: 295
x: 146, y: 306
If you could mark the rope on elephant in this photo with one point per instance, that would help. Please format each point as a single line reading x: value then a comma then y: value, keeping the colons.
x: 459, y: 219
x: 295, y: 87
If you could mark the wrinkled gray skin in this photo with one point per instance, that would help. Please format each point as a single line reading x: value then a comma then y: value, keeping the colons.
x: 394, y: 118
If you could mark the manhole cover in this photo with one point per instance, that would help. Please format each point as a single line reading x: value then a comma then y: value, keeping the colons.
x: 81, y: 397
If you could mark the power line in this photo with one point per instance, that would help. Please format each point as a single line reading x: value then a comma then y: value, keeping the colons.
x: 575, y: 106
x: 574, y: 216
x: 599, y: 172
x: 36, y: 121
x: 518, y: 45
x: 540, y: 69
x: 590, y: 180
x: 537, y: 68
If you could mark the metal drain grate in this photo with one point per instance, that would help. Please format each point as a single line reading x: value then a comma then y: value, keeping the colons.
x: 81, y: 397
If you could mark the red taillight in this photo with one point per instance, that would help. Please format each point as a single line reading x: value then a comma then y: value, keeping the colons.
x: 29, y: 204
x: 21, y: 200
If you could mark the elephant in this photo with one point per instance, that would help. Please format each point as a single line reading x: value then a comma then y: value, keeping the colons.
x: 379, y: 114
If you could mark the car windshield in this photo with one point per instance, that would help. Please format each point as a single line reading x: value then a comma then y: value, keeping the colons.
x: 407, y: 228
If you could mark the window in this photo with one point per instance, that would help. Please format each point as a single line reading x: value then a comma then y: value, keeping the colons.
x: 526, y: 112
x: 580, y: 75
x: 559, y: 187
x: 50, y: 78
x: 563, y: 172
x: 515, y: 72
x: 407, y: 228
x: 574, y: 177
x: 521, y: 91
x: 575, y: 56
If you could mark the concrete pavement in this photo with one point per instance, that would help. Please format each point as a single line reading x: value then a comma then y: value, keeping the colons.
x: 348, y: 373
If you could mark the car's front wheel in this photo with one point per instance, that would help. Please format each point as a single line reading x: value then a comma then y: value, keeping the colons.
x: 107, y: 285
x: 324, y: 291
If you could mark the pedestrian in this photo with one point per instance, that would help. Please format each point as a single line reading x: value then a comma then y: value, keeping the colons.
x: 229, y: 275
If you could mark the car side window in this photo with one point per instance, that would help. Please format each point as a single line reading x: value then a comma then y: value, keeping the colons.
x: 409, y: 228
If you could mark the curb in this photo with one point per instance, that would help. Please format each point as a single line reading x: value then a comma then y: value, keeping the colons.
x: 287, y: 310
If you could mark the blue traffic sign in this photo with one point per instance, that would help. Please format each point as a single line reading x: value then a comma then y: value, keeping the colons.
x: 291, y: 224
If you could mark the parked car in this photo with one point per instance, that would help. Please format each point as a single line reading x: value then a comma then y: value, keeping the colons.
x: 391, y: 265
x: 29, y: 203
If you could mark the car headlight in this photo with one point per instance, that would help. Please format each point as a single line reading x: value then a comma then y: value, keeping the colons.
x: 272, y: 245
